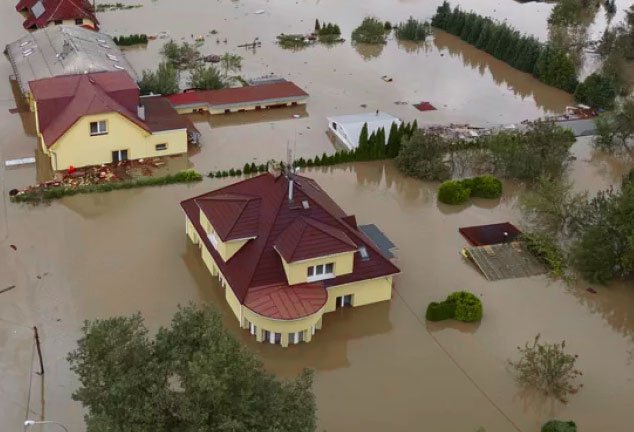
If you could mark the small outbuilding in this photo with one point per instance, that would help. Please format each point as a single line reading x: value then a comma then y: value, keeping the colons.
x: 347, y: 128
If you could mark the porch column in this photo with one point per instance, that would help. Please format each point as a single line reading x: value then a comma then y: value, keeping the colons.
x: 284, y: 340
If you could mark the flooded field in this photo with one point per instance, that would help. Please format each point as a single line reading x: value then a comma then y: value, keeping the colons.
x: 380, y: 367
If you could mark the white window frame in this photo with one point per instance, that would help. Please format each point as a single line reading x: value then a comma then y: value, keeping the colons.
x: 319, y: 272
x: 162, y: 145
x: 100, y: 130
x: 213, y: 239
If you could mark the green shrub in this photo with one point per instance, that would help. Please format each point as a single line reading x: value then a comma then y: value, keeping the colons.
x: 440, y: 311
x: 545, y: 247
x: 468, y: 307
x: 370, y: 31
x: 486, y: 186
x: 453, y: 192
x: 559, y: 426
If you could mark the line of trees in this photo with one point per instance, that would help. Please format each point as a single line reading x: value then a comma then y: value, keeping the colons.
x: 135, y: 39
x: 548, y: 64
x: 413, y: 30
x: 374, y: 146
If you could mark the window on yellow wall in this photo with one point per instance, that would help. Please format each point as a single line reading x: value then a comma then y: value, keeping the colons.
x: 79, y: 21
x: 98, y: 128
x: 160, y: 147
x: 320, y: 271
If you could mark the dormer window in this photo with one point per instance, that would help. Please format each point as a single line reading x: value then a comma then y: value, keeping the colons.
x: 320, y: 272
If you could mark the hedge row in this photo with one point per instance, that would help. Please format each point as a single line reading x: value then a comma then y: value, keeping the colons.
x: 135, y: 39
x: 455, y: 192
x: 47, y: 194
x: 373, y: 147
x: 459, y: 305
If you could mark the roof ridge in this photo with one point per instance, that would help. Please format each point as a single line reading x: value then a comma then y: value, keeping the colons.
x: 268, y: 235
x: 222, y: 188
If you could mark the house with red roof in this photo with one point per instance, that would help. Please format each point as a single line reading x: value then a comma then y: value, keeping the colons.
x: 99, y: 118
x: 44, y: 13
x: 285, y: 254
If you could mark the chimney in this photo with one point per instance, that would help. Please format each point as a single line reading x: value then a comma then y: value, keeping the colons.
x: 140, y: 111
x: 290, y: 189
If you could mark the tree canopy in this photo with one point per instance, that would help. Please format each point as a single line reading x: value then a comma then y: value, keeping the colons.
x: 422, y: 156
x: 192, y: 376
x: 370, y: 31
x: 206, y: 78
x: 164, y: 80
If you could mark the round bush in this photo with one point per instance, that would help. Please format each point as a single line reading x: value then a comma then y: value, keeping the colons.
x: 453, y: 192
x: 440, y: 311
x: 468, y: 306
x: 559, y: 426
x: 486, y: 186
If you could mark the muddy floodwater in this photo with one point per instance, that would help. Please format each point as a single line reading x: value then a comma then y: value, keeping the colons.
x: 380, y: 367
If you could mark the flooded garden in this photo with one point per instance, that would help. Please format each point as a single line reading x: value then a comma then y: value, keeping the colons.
x: 379, y: 367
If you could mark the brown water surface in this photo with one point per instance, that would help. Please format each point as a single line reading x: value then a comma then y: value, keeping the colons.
x: 380, y: 367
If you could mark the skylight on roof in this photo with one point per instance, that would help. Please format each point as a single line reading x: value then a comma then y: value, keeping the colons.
x: 25, y: 43
x: 363, y: 251
x: 119, y: 67
x: 305, y: 204
x: 28, y: 52
x: 111, y: 57
x: 38, y: 9
x: 103, y: 45
x: 103, y: 41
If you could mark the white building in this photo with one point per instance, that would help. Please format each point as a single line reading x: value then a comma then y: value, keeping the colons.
x: 348, y: 127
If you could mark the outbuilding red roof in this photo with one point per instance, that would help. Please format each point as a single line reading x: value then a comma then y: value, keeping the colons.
x: 239, y: 95
x: 482, y: 235
x: 276, y: 221
x: 54, y: 10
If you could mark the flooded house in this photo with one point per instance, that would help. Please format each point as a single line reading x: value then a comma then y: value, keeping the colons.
x: 347, y: 128
x: 44, y: 13
x: 285, y: 254
x: 99, y: 118
x: 272, y: 94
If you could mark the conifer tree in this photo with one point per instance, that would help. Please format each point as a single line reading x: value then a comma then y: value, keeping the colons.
x: 317, y: 26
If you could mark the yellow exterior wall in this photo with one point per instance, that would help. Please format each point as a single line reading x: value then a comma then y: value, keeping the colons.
x: 234, y: 303
x: 86, y: 22
x: 78, y: 148
x: 363, y: 292
x: 225, y: 249
x: 297, y: 272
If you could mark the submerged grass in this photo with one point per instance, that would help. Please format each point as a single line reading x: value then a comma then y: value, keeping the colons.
x: 39, y: 195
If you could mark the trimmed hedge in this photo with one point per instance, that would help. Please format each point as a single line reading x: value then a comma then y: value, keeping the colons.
x: 48, y: 194
x: 460, y: 305
x: 559, y: 426
x: 486, y: 186
x: 440, y: 311
x: 453, y: 192
x: 456, y: 192
x: 467, y: 306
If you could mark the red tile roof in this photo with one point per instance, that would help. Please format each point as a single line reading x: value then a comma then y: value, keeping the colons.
x: 284, y: 303
x: 308, y: 238
x: 161, y: 116
x: 57, y: 10
x: 63, y: 100
x: 232, y: 216
x: 239, y: 95
x: 257, y: 264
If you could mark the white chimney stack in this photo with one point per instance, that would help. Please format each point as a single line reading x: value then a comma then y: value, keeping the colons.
x: 290, y: 189
x: 140, y: 111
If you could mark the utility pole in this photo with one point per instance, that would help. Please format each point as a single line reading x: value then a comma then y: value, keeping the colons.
x: 39, y: 350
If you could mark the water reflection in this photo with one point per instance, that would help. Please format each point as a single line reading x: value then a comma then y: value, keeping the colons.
x: 520, y: 83
x: 412, y: 47
x: 368, y: 51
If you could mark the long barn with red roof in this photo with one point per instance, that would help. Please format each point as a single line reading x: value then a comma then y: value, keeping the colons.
x: 285, y: 254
